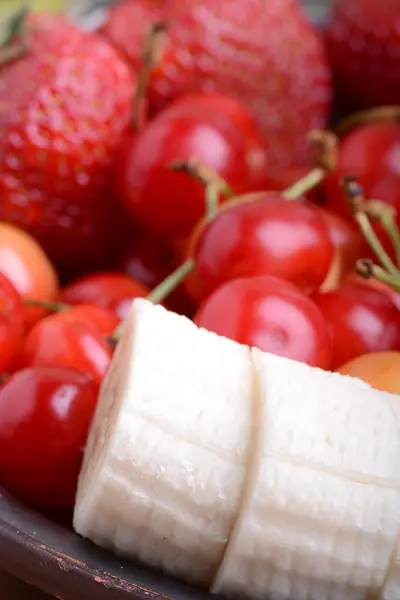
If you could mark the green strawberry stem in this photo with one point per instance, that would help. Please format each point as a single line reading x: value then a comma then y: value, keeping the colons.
x: 14, y: 35
x: 363, y: 212
x: 152, y: 51
x: 46, y: 305
x: 380, y: 113
x: 326, y: 144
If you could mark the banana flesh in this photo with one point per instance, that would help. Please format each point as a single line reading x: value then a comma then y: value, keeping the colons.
x: 249, y: 474
x: 167, y: 456
x: 322, y: 512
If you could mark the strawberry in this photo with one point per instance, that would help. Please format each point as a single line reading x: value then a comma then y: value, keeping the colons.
x: 64, y: 107
x: 363, y: 42
x: 264, y: 52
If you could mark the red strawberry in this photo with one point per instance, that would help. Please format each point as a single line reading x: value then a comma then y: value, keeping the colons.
x: 64, y: 107
x: 363, y: 42
x: 264, y: 52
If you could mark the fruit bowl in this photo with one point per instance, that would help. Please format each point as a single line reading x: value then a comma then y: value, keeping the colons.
x: 59, y: 562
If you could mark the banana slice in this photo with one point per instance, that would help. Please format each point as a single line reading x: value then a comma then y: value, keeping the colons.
x: 166, y: 461
x: 321, y: 515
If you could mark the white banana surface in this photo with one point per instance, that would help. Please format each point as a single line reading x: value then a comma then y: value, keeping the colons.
x: 167, y: 456
x: 255, y: 476
x: 322, y: 512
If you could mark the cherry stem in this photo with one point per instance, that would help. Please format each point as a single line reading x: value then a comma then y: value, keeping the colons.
x: 46, y: 305
x: 381, y: 113
x: 358, y: 206
x: 212, y: 201
x: 151, y: 55
x: 326, y: 144
x: 366, y: 268
x: 203, y: 174
x: 386, y: 215
x: 160, y: 292
x: 14, y: 35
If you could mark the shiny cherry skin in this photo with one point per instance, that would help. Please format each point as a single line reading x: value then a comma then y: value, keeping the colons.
x: 45, y: 413
x: 66, y: 340
x: 380, y: 369
x: 26, y: 265
x: 168, y: 203
x: 360, y: 320
x: 226, y: 107
x: 270, y: 314
x: 104, y: 320
x: 12, y: 323
x: 349, y: 246
x: 371, y: 148
x: 393, y: 294
x: 261, y: 234
x: 110, y: 290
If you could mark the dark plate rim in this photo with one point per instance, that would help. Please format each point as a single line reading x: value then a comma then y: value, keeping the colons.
x: 59, y: 562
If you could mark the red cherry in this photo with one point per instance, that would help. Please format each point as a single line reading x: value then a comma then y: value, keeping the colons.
x: 66, y: 340
x: 262, y: 234
x: 104, y: 320
x: 371, y: 148
x: 270, y: 314
x: 11, y: 323
x: 169, y: 203
x: 372, y: 154
x: 376, y: 285
x: 45, y: 415
x: 230, y: 109
x: 113, y: 291
x: 360, y: 319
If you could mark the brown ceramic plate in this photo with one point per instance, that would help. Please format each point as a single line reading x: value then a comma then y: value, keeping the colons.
x: 61, y: 563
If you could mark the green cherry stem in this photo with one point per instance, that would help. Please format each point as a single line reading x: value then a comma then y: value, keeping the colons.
x: 366, y: 268
x: 45, y: 305
x: 326, y: 144
x: 359, y: 208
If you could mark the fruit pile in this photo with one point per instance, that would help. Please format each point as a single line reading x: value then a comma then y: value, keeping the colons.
x: 189, y: 165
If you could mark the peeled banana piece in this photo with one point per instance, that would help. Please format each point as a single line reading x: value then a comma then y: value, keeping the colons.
x: 251, y: 475
x: 166, y: 460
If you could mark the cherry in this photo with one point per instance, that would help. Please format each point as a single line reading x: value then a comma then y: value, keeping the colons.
x: 371, y: 148
x: 377, y: 285
x: 270, y: 314
x: 261, y: 234
x: 360, y: 319
x: 11, y: 323
x: 45, y: 415
x: 226, y: 107
x: 110, y: 290
x: 66, y: 339
x: 104, y: 320
x: 349, y: 246
x: 26, y: 265
x: 170, y: 203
